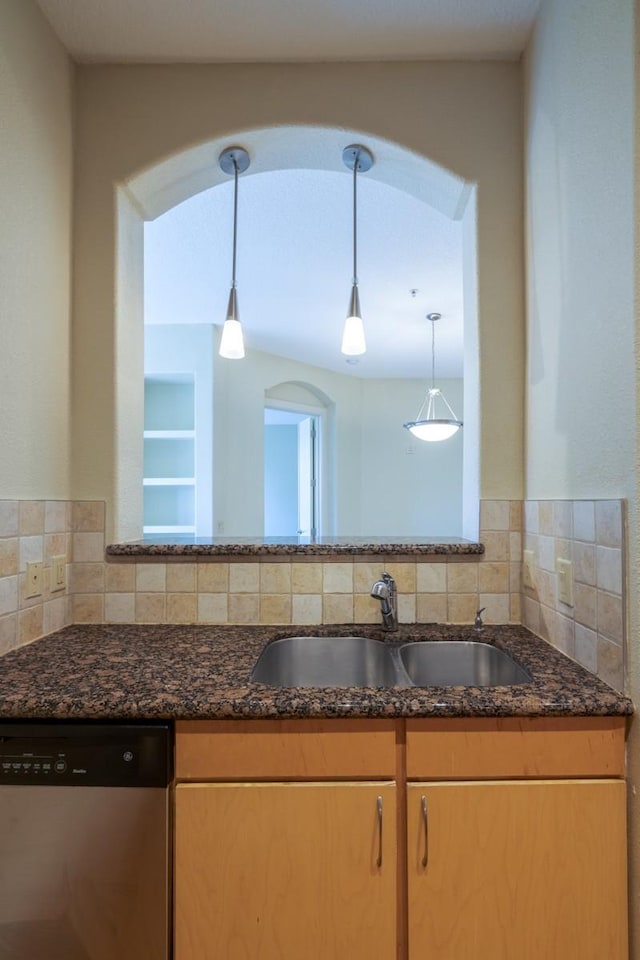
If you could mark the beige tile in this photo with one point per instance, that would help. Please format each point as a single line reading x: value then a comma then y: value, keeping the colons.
x: 306, y: 578
x: 546, y: 588
x: 462, y: 577
x: 609, y: 569
x: 31, y: 518
x: 365, y: 609
x: 496, y: 607
x: 54, y: 545
x: 563, y: 518
x: 87, y: 516
x: 546, y: 554
x: 564, y: 638
x: 88, y: 608
x: 493, y: 577
x: 150, y: 607
x: 609, y: 523
x: 120, y: 577
x: 275, y: 608
x: 547, y: 626
x: 530, y: 516
x: 86, y: 578
x: 54, y: 615
x: 404, y: 575
x: 406, y: 608
x: 182, y: 607
x: 9, y: 523
x: 337, y: 608
x: 275, y: 578
x: 586, y: 651
x: 151, y: 577
x: 611, y: 663
x: 431, y: 577
x: 337, y: 578
x: 8, y: 595
x: 461, y: 607
x: 55, y: 516
x: 365, y: 574
x: 214, y: 577
x: 214, y: 607
x: 515, y: 547
x: 244, y: 607
x: 431, y: 607
x: 88, y: 546
x: 610, y: 616
x: 244, y: 578
x: 181, y: 578
x: 31, y: 550
x: 119, y: 607
x: 545, y: 517
x: 516, y: 513
x: 584, y: 523
x: 496, y: 546
x: 9, y: 557
x: 8, y: 632
x: 515, y: 577
x: 494, y: 515
x: 531, y: 614
x: 584, y: 563
x: 306, y: 608
x: 515, y: 608
x: 30, y: 624
x: 584, y: 602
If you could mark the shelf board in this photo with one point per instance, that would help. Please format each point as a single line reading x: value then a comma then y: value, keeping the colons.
x: 169, y: 434
x: 169, y: 482
x: 169, y: 529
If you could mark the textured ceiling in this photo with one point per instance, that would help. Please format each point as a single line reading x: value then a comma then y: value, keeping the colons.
x: 146, y: 31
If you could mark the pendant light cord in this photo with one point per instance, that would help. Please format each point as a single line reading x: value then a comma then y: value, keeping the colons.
x: 433, y: 354
x: 355, y: 219
x: 235, y: 220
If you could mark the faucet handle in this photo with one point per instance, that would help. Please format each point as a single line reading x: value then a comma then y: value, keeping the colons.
x: 478, y: 624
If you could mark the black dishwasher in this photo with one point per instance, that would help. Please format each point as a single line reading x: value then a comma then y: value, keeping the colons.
x: 84, y: 841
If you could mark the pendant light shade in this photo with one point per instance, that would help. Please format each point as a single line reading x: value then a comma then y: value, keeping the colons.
x: 233, y: 160
x: 432, y: 427
x: 358, y: 159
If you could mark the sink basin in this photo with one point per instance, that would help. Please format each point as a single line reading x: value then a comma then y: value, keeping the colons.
x: 464, y: 663
x: 325, y: 662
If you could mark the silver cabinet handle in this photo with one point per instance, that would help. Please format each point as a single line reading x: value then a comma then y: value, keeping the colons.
x: 425, y: 821
x: 379, y: 808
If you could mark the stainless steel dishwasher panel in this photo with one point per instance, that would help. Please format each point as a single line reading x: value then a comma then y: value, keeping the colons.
x: 84, y: 871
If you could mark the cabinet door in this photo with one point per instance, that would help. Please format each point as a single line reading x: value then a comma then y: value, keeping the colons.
x: 517, y: 870
x: 285, y: 871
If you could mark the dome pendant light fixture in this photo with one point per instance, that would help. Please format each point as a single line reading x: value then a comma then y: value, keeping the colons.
x: 358, y: 159
x: 431, y: 427
x: 233, y: 160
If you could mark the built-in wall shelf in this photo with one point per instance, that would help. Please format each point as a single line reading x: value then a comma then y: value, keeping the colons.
x: 169, y: 454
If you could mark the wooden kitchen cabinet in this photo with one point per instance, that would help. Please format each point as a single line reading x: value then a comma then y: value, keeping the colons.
x: 533, y: 870
x: 276, y: 840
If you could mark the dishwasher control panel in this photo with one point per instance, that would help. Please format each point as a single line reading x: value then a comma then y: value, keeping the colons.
x: 101, y: 756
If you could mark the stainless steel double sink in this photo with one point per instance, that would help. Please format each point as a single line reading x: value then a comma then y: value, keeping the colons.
x: 363, y: 662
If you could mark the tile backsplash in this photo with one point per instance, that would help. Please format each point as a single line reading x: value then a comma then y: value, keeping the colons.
x: 449, y: 588
x: 591, y: 535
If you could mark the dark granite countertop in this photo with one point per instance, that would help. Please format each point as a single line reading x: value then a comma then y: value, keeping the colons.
x: 194, y: 547
x: 202, y: 672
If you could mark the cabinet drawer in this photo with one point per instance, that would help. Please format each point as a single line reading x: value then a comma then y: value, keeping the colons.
x: 515, y: 748
x: 285, y: 750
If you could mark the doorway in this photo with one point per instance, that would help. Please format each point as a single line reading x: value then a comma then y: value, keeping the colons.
x: 291, y: 473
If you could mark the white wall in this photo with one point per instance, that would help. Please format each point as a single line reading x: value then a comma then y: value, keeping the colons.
x: 582, y: 380
x: 465, y: 117
x: 36, y: 94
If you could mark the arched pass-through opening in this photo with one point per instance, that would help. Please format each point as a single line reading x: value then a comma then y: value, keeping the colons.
x: 151, y: 193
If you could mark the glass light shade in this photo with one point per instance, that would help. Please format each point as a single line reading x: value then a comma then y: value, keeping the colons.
x: 232, y: 341
x: 353, y: 341
x: 433, y: 429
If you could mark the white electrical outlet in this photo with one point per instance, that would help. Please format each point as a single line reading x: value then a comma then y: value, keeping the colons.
x: 58, y: 572
x: 564, y: 577
x: 34, y: 580
x: 527, y: 569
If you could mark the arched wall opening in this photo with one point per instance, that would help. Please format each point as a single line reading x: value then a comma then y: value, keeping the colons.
x: 175, y: 179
